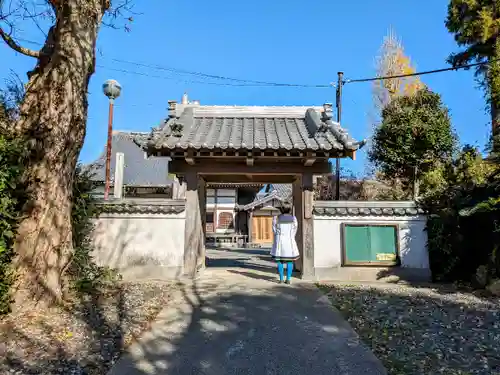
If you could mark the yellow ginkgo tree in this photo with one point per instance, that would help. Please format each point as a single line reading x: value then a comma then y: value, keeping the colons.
x: 392, y: 61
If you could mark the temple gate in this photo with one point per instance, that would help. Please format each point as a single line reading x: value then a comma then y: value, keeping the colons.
x: 240, y: 144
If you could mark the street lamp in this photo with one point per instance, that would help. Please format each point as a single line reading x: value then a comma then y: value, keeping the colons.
x: 112, y: 90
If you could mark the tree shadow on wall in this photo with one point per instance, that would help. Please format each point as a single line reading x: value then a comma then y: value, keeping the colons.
x: 411, y: 251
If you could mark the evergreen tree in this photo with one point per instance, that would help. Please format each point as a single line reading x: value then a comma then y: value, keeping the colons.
x: 414, y: 136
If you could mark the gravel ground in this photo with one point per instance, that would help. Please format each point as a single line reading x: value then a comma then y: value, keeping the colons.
x: 85, y: 337
x: 423, y: 330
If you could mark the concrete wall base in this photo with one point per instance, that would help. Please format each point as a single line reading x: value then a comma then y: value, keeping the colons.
x: 151, y: 272
x: 371, y: 274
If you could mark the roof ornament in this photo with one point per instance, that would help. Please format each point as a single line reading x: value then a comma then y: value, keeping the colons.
x: 172, y: 106
x: 327, y: 111
x: 176, y: 127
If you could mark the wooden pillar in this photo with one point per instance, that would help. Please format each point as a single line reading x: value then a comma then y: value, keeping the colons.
x: 298, y: 212
x: 194, y: 235
x: 237, y: 221
x: 202, y: 196
x: 249, y: 225
x: 308, y: 226
x: 303, y: 202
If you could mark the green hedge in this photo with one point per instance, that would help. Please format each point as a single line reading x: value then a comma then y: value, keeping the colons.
x: 84, y: 272
x: 11, y: 198
x: 464, y: 222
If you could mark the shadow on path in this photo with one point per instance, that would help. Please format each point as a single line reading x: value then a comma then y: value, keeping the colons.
x: 234, y: 323
x: 231, y: 258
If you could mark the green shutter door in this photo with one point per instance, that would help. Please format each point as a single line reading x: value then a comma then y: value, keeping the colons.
x: 382, y: 244
x: 357, y: 243
x: 375, y: 244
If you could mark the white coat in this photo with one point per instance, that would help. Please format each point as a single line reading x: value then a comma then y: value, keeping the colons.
x: 284, y: 244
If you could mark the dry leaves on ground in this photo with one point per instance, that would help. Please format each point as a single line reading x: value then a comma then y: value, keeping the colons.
x: 86, y: 337
x: 423, y: 330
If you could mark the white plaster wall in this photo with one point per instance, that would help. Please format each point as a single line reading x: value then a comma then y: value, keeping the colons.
x: 127, y: 241
x: 412, y: 238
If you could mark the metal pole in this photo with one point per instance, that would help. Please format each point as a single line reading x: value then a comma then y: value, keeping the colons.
x: 339, y: 117
x: 108, y: 150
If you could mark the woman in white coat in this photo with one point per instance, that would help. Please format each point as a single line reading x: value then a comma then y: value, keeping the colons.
x: 285, y: 248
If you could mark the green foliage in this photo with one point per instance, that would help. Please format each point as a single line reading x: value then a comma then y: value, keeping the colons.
x: 10, y: 97
x: 11, y: 162
x: 474, y: 24
x: 85, y: 274
x: 415, y: 133
x: 12, y: 197
x: 464, y: 218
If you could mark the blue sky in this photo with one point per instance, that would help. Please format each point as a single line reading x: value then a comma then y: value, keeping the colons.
x: 293, y: 41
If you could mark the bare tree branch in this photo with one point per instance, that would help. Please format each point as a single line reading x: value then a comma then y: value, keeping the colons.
x: 34, y: 19
x: 122, y: 11
x: 16, y: 47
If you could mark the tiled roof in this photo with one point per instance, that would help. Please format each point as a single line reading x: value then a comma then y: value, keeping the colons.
x: 279, y: 192
x: 139, y: 170
x: 260, y: 202
x: 191, y: 126
x: 284, y: 191
x: 366, y: 208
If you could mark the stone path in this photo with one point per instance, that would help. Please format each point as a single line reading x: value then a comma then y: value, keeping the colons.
x: 240, y: 321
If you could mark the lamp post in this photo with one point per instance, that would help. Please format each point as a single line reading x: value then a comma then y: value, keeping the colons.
x: 112, y: 90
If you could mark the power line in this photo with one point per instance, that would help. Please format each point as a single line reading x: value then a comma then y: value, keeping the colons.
x: 212, y: 76
x: 383, y: 78
x: 254, y: 83
x: 241, y: 82
x: 178, y: 79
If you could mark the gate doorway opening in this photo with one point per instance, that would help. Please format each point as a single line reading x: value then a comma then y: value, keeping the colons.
x: 239, y: 224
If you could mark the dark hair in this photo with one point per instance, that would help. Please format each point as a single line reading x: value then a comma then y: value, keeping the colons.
x: 285, y: 209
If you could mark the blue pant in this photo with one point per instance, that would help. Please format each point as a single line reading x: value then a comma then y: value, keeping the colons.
x: 281, y: 269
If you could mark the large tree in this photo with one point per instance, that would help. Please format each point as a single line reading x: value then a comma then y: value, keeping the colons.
x: 52, y: 118
x: 415, y: 135
x: 393, y: 61
x: 476, y: 26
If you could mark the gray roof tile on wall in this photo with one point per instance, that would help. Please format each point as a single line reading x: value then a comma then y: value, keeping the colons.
x: 149, y: 206
x: 139, y: 170
x: 251, y: 128
x: 367, y: 208
x: 366, y: 211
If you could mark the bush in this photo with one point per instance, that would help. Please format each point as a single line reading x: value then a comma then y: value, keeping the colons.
x: 84, y: 273
x: 11, y: 199
x: 415, y: 135
x: 463, y: 226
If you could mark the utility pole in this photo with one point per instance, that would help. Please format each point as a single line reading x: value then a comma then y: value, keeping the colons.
x: 112, y: 90
x: 340, y: 83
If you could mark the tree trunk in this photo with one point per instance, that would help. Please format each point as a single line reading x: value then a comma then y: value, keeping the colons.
x: 494, y: 91
x: 53, y: 120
